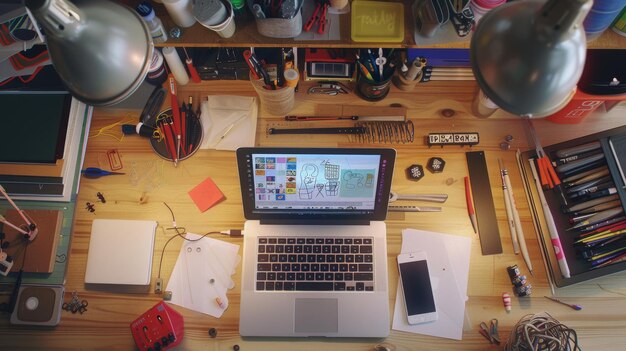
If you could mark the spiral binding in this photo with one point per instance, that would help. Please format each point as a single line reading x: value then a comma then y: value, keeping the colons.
x: 387, y: 132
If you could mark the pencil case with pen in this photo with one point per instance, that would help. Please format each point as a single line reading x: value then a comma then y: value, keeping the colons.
x: 284, y: 21
x: 591, y: 226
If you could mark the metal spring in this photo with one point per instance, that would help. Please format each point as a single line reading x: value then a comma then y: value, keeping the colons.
x: 387, y: 132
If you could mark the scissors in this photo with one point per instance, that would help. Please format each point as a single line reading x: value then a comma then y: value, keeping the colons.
x: 490, y: 332
x: 547, y: 174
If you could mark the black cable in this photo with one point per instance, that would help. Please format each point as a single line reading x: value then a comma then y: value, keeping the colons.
x: 179, y: 233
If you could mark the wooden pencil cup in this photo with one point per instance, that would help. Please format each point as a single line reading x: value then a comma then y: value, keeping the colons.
x: 404, y: 84
x: 277, y: 102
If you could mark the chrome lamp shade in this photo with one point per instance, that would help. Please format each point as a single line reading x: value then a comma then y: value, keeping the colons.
x: 528, y: 55
x: 101, y: 50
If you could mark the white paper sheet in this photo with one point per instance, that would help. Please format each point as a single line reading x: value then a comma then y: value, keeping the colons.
x: 203, y: 273
x: 228, y: 122
x: 448, y: 262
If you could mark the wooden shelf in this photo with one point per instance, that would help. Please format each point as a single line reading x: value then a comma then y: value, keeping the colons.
x: 246, y: 35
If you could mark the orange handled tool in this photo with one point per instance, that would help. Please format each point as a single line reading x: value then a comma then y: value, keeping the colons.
x: 547, y: 174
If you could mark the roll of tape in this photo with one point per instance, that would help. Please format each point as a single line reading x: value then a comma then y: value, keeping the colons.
x: 176, y: 65
x: 291, y: 77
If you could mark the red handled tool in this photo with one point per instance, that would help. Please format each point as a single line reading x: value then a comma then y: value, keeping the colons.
x: 547, y: 174
x: 192, y: 70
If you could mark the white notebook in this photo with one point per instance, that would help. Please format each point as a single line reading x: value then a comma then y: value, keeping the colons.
x: 120, y: 252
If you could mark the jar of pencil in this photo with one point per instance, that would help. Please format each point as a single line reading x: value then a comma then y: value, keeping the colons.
x: 275, y: 100
x: 374, y: 74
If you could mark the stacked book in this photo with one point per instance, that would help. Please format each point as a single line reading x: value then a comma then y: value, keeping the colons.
x: 42, y: 158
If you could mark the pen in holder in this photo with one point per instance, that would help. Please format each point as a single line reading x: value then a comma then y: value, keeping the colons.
x: 163, y: 141
x: 277, y: 102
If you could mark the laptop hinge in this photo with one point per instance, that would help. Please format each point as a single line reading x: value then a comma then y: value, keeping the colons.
x: 314, y: 222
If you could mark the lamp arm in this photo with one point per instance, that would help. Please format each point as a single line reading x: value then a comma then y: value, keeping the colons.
x: 32, y: 230
x: 57, y: 16
x: 556, y: 18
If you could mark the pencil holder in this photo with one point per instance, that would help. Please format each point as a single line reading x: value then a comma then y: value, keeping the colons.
x: 276, y: 102
x: 280, y: 27
x: 372, y: 90
x: 405, y: 84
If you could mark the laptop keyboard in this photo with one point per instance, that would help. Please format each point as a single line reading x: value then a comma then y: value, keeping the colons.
x: 315, y: 264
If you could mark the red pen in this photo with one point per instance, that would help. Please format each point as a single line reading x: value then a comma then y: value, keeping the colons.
x: 470, y: 205
x: 183, y: 129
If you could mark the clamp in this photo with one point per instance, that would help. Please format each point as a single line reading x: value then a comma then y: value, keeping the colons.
x: 319, y: 15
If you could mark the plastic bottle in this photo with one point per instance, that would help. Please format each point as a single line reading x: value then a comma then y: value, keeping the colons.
x: 181, y: 12
x: 159, y: 35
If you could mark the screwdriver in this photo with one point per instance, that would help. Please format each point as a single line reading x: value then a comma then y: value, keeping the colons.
x: 192, y: 70
x: 94, y: 172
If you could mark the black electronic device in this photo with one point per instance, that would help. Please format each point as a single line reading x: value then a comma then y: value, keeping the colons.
x: 417, y: 288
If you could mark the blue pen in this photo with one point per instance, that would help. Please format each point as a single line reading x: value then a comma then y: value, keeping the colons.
x: 371, y: 61
x: 93, y: 172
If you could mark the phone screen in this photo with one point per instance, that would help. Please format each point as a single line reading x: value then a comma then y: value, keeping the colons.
x: 418, y: 292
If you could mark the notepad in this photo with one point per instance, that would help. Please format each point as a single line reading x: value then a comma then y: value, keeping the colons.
x: 120, y: 252
x: 206, y: 194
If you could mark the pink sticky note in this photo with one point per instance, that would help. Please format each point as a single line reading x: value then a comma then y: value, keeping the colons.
x: 206, y: 194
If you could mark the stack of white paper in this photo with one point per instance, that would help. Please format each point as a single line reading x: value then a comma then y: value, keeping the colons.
x: 202, y: 275
x: 448, y: 264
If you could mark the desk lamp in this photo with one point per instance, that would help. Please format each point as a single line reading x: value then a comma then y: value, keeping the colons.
x: 528, y: 55
x: 101, y: 49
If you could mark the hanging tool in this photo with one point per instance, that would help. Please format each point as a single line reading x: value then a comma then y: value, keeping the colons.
x: 319, y: 15
x: 94, y: 172
x: 547, y: 175
x: 192, y: 70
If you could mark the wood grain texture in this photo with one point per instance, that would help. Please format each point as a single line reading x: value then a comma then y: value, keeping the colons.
x: 150, y: 181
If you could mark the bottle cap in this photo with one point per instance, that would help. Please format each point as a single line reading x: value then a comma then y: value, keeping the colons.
x: 146, y: 11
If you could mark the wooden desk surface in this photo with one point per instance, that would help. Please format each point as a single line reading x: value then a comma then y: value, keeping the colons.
x: 150, y: 181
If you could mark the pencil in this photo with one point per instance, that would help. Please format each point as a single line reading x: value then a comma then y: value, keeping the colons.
x: 509, y: 209
x: 518, y: 224
x: 470, y: 205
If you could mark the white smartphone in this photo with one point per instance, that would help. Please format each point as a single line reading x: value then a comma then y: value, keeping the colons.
x: 416, y: 287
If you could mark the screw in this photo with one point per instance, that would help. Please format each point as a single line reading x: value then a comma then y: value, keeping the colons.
x: 505, y: 146
x: 212, y: 332
x: 235, y: 347
x: 175, y: 32
x: 508, y: 138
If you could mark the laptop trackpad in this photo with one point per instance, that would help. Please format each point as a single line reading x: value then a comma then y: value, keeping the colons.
x: 316, y: 316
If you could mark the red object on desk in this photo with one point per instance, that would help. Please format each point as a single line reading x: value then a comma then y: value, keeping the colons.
x: 470, y: 205
x: 206, y: 194
x: 582, y: 105
x: 159, y: 328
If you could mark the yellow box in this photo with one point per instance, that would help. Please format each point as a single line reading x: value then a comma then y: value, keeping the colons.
x: 377, y: 21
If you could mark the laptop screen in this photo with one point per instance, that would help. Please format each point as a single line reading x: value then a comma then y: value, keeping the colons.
x: 311, y: 183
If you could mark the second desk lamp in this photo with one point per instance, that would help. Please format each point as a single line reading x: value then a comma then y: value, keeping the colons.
x: 528, y: 55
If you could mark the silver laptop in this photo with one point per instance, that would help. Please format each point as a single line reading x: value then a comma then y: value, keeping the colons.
x: 315, y: 252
